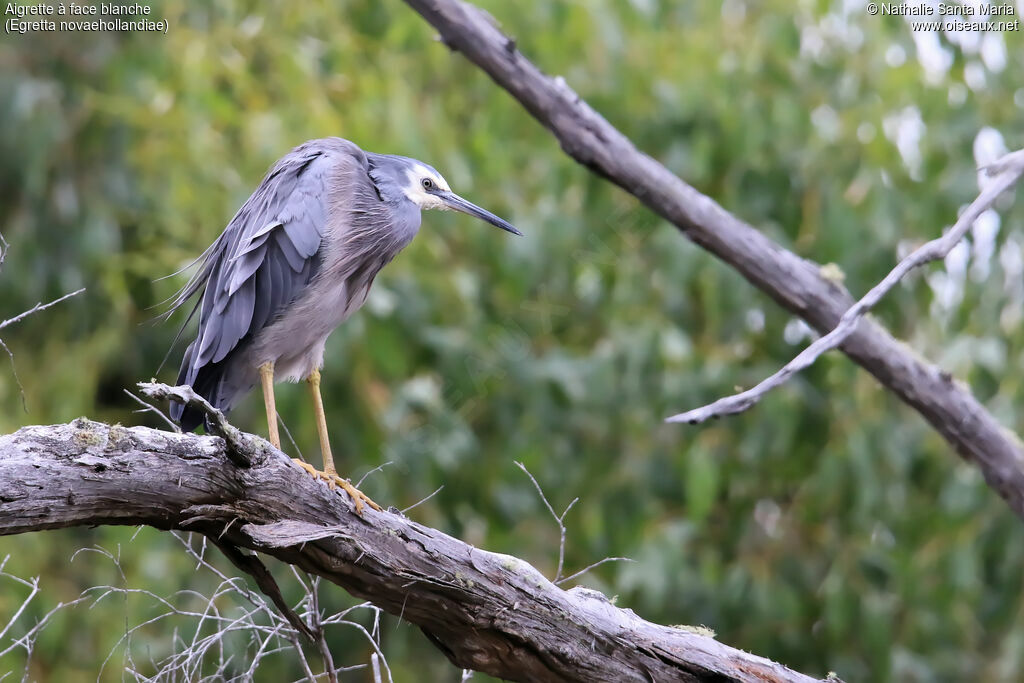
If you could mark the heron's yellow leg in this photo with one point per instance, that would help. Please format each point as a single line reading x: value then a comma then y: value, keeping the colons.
x: 330, y: 475
x: 321, y: 422
x: 267, y: 380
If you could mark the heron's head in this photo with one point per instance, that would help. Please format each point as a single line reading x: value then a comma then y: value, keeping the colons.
x: 422, y: 185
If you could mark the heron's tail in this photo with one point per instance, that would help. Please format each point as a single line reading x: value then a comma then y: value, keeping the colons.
x: 221, y: 383
x: 206, y: 382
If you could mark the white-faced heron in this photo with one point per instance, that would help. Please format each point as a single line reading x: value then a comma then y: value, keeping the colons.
x: 296, y: 260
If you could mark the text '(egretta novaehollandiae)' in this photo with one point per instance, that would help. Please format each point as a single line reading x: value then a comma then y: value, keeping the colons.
x: 297, y: 260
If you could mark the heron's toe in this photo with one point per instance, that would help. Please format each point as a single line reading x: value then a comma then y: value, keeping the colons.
x: 306, y: 466
x: 334, y: 480
x: 357, y: 496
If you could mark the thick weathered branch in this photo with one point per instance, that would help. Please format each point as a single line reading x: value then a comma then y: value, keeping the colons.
x: 489, y: 612
x: 795, y: 283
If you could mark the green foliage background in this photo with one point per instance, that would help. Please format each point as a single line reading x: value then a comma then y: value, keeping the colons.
x: 828, y: 528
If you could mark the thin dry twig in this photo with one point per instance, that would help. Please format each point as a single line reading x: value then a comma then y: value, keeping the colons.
x: 14, y: 372
x: 33, y: 590
x: 26, y: 641
x: 1005, y: 173
x: 251, y: 565
x: 281, y: 625
x: 4, y: 248
x: 275, y: 633
x: 378, y: 468
x: 39, y: 307
x: 288, y: 433
x: 375, y: 666
x: 205, y: 656
x: 592, y: 566
x: 559, y: 519
x: 421, y: 501
x: 150, y: 408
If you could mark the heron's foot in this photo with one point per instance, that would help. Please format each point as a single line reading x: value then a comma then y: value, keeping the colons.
x: 357, y: 496
x: 334, y: 480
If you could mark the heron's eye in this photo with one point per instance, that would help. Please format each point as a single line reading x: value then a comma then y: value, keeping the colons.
x: 427, y: 183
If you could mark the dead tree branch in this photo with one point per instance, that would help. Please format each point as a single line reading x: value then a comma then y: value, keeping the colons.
x: 794, y: 283
x: 1006, y: 172
x: 489, y: 612
x: 243, y: 449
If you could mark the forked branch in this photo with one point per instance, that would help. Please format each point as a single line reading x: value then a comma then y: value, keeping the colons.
x: 794, y: 283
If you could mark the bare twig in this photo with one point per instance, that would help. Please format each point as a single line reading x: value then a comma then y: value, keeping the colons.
x: 4, y: 248
x: 375, y: 666
x: 282, y: 625
x: 150, y: 408
x: 39, y: 307
x: 1007, y: 171
x: 33, y: 590
x: 378, y: 468
x: 592, y: 566
x: 26, y: 641
x: 14, y: 372
x: 315, y: 619
x: 288, y: 433
x: 372, y: 638
x: 421, y: 501
x: 270, y: 631
x: 559, y: 519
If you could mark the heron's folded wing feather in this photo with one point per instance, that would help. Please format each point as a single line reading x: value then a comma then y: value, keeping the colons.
x: 287, y: 249
x: 257, y: 240
x: 237, y: 316
x: 243, y: 268
x: 280, y: 281
x: 263, y: 306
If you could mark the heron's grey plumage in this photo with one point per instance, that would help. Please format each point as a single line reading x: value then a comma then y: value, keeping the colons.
x: 296, y: 260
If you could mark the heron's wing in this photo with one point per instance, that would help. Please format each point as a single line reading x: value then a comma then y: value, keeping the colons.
x: 269, y: 252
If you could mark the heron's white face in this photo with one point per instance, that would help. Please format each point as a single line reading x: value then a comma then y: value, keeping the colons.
x: 420, y: 182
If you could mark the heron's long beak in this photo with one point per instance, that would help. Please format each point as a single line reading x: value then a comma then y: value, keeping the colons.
x: 457, y: 203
